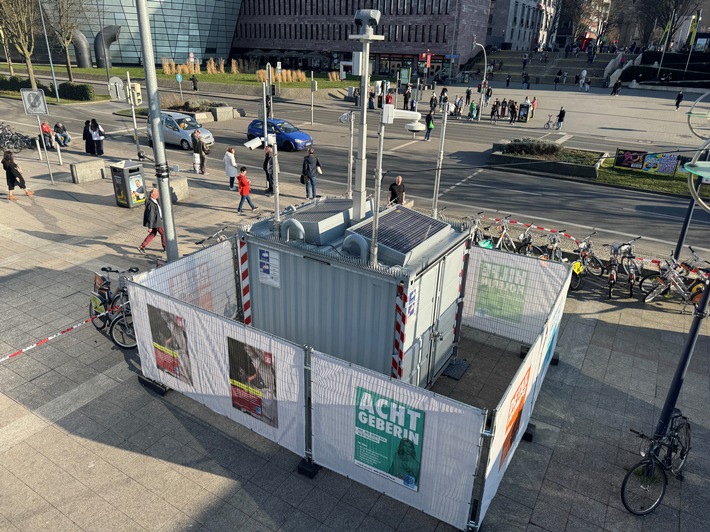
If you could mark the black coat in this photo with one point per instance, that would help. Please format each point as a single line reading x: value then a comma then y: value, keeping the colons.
x: 152, y: 218
x: 89, y: 146
x: 310, y: 163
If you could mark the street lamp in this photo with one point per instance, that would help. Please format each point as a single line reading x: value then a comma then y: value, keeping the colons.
x: 389, y: 113
x: 367, y: 20
x: 349, y: 118
x: 440, y: 158
x: 483, y: 84
x: 49, y: 51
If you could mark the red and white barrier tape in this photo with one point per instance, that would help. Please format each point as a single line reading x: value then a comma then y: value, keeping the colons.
x: 60, y: 333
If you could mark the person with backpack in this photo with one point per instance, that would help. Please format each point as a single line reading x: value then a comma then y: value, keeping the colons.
x: 429, y: 121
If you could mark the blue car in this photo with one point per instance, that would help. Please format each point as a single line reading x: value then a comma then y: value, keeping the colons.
x: 288, y: 136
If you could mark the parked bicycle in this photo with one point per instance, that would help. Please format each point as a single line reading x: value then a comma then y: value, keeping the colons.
x: 219, y: 236
x: 504, y: 240
x: 688, y: 271
x: 480, y: 239
x: 553, y: 250
x: 621, y: 255
x: 525, y: 244
x: 550, y: 122
x: 644, y: 485
x: 689, y: 289
x: 112, y: 309
x: 587, y: 263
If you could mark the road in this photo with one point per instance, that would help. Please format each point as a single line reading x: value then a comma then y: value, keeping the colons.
x: 467, y: 184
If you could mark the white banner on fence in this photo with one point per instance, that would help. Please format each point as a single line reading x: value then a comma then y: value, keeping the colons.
x: 417, y: 447
x: 511, y: 295
x: 237, y: 371
x: 205, y: 279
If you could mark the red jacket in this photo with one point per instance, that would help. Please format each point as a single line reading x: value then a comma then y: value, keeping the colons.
x: 243, y: 185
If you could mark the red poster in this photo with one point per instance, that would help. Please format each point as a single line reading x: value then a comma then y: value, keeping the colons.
x: 515, y: 414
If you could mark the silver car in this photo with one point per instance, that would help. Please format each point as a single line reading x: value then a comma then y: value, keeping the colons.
x: 178, y: 128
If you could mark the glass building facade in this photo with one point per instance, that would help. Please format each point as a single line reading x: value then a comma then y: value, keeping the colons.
x: 178, y: 28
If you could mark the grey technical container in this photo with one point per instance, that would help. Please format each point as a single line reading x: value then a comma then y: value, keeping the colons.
x: 312, y: 285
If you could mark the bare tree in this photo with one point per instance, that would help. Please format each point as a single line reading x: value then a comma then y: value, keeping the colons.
x: 19, y: 23
x: 662, y: 10
x: 557, y: 6
x: 5, y: 49
x: 63, y: 17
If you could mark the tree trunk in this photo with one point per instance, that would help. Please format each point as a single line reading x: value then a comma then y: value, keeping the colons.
x: 67, y: 60
x: 30, y: 70
x: 9, y: 59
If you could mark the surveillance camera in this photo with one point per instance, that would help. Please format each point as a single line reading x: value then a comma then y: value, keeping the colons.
x: 367, y: 17
x: 254, y: 143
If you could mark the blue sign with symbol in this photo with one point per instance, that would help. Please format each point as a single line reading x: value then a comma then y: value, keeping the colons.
x: 178, y: 77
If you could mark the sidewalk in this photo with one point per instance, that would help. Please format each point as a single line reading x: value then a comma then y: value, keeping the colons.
x: 84, y: 447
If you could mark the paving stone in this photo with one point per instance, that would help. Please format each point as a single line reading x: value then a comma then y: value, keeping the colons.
x: 318, y: 504
x: 345, y: 517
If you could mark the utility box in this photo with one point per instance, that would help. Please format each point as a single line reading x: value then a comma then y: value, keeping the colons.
x: 524, y: 112
x: 313, y: 284
x: 128, y: 183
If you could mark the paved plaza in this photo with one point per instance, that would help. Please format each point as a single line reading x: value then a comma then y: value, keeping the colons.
x: 83, y: 446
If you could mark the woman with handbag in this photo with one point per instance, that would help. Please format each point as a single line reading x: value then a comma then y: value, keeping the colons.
x: 13, y: 175
x: 311, y: 168
x: 97, y: 134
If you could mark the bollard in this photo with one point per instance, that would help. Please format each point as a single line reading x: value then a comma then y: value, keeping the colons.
x: 39, y: 150
x: 59, y: 155
x: 196, y: 163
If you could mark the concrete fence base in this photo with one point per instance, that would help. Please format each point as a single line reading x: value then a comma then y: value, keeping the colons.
x: 88, y: 171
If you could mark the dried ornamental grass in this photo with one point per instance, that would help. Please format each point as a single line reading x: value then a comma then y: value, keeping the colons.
x: 221, y: 65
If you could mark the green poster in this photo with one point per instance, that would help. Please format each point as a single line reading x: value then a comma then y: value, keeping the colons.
x: 388, y: 438
x: 501, y: 291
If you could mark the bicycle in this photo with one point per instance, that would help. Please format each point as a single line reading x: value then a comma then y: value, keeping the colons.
x: 112, y: 309
x: 620, y: 254
x: 550, y: 122
x: 587, y: 262
x: 504, y: 240
x: 480, y: 239
x: 684, y: 270
x: 526, y: 246
x: 690, y: 291
x: 644, y: 485
x: 553, y: 251
x: 220, y: 236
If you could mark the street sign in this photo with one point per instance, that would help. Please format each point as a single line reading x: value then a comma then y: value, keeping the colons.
x: 178, y: 77
x: 278, y: 67
x: 115, y: 88
x: 34, y: 102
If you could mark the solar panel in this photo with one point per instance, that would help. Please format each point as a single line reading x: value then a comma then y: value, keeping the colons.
x: 402, y: 229
x: 323, y: 210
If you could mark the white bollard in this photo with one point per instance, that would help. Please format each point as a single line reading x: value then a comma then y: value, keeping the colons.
x: 39, y: 150
x: 196, y: 163
x: 59, y: 155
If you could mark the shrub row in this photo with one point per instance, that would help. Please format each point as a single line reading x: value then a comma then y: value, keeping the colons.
x: 67, y: 90
x: 528, y: 146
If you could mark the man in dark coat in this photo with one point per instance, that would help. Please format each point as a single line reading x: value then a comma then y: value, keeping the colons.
x: 311, y: 164
x: 678, y: 100
x: 153, y: 220
x: 268, y: 167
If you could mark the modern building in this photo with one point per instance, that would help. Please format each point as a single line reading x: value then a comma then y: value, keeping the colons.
x: 314, y: 33
x: 520, y: 24
x: 181, y: 30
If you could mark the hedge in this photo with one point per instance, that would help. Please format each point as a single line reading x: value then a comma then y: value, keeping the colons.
x: 13, y: 83
x: 77, y: 91
x: 528, y: 146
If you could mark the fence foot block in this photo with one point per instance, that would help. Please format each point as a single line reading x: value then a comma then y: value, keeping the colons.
x: 155, y: 386
x: 524, y: 350
x: 529, y: 433
x: 308, y: 468
x: 555, y: 361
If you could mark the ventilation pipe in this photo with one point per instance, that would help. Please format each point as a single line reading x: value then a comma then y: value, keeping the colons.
x: 360, y: 243
x: 81, y: 49
x: 294, y: 224
x: 102, y: 44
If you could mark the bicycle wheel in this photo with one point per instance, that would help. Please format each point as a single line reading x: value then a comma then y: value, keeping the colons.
x: 575, y: 282
x: 625, y: 264
x: 680, y: 446
x: 547, y: 125
x: 653, y: 294
x: 595, y: 267
x: 643, y: 487
x: 122, y: 332
x: 507, y: 244
x: 96, y: 307
x: 649, y: 282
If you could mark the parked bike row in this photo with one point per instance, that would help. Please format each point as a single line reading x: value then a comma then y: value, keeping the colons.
x: 12, y: 140
x: 624, y: 270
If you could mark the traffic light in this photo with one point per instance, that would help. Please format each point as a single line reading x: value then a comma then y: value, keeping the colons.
x: 136, y: 96
x: 273, y: 89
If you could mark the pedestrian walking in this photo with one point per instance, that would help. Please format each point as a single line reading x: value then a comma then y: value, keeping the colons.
x: 429, y: 121
x: 194, y: 83
x: 97, y: 134
x: 60, y: 135
x: 433, y: 102
x: 557, y: 81
x: 576, y: 79
x: 468, y: 96
x: 471, y: 111
x: 89, y: 146
x: 616, y: 89
x: 397, y: 191
x: 388, y: 98
x: 153, y: 220
x: 13, y: 176
x: 494, y: 112
x: 489, y: 93
x: 504, y: 108
x: 268, y: 106
x: 587, y: 84
x: 310, y: 169
x: 561, y: 117
x: 678, y: 100
x: 533, y: 107
x: 244, y: 189
x: 200, y: 149
x: 513, y: 108
x: 407, y: 96
x: 230, y: 167
x: 268, y: 167
x: 507, y: 81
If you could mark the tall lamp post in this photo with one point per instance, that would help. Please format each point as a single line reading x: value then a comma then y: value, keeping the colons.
x: 483, y: 84
x: 367, y: 20
x: 49, y: 51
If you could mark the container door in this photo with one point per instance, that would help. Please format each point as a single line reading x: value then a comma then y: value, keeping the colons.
x: 426, y: 318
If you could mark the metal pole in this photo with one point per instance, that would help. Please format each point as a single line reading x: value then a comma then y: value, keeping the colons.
x: 396, y: 91
x: 665, y: 45
x: 162, y: 172
x: 483, y: 84
x: 698, y: 16
x: 49, y: 52
x: 686, y: 221
x: 181, y: 98
x: 378, y: 184
x: 312, y: 91
x: 44, y: 145
x: 677, y: 382
x: 263, y: 107
x: 133, y: 112
x: 351, y: 160
x: 359, y: 192
x: 269, y: 95
x: 439, y: 161
x: 277, y: 201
